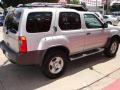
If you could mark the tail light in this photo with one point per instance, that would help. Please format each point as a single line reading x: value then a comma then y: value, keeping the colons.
x: 22, y: 44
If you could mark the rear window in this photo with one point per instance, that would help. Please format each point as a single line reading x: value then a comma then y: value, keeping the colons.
x: 12, y: 21
x: 39, y: 22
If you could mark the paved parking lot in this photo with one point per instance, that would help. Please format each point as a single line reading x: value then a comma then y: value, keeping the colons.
x: 91, y: 73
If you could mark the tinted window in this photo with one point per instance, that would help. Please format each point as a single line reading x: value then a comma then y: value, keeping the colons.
x: 39, y: 22
x: 91, y: 21
x: 12, y: 21
x: 69, y: 21
x: 105, y: 17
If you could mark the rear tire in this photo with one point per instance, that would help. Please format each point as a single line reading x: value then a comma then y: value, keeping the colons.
x: 54, y: 64
x: 112, y: 48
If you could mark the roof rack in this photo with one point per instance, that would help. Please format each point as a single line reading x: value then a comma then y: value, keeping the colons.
x: 58, y: 5
x: 39, y: 4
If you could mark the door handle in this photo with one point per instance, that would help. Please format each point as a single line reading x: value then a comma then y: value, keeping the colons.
x: 55, y: 28
x: 88, y: 33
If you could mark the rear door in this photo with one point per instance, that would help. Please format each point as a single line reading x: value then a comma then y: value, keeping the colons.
x: 11, y: 29
x: 70, y: 26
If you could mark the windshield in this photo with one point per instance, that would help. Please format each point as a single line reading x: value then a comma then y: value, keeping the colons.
x: 12, y: 21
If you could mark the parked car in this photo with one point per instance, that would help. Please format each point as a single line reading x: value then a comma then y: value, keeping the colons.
x: 110, y: 19
x: 50, y: 36
x: 116, y: 14
x: 1, y: 13
x: 1, y: 20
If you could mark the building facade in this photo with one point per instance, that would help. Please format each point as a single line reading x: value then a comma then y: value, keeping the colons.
x: 93, y: 5
x: 92, y: 2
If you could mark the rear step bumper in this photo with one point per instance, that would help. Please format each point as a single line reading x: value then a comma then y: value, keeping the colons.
x: 29, y: 58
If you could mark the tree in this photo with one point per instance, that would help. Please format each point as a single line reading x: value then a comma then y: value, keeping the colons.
x: 74, y: 2
x: 16, y: 2
x: 115, y: 7
x: 6, y: 3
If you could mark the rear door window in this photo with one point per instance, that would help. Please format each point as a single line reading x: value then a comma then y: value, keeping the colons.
x: 69, y: 21
x: 39, y: 22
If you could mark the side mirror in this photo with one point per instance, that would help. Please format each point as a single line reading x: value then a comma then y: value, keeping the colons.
x: 105, y: 25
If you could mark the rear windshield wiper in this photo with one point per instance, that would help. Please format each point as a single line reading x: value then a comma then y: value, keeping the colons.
x: 13, y: 30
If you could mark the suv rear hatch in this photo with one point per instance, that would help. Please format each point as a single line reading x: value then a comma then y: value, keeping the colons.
x: 11, y: 29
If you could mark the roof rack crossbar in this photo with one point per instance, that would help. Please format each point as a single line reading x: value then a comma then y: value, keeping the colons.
x: 39, y: 4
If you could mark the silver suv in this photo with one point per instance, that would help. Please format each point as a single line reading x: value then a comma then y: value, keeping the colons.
x: 51, y: 36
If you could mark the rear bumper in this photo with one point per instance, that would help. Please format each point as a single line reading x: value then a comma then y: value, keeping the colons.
x: 29, y: 58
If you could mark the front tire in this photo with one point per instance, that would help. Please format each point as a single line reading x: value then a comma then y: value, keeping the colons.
x: 112, y: 48
x: 54, y: 64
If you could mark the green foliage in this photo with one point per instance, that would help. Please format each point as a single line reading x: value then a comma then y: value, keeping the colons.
x: 16, y: 2
x: 7, y: 3
x: 115, y: 7
x: 74, y: 2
